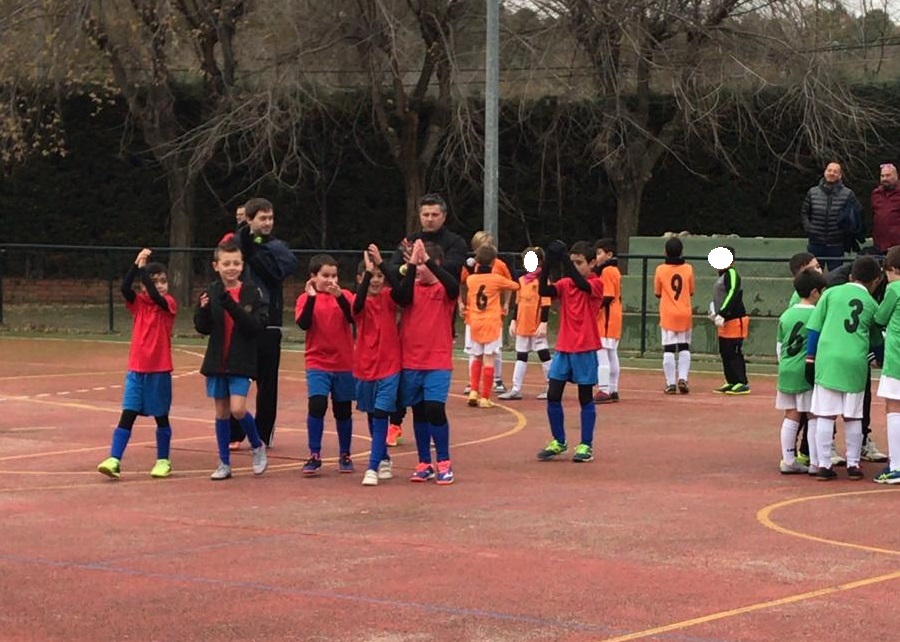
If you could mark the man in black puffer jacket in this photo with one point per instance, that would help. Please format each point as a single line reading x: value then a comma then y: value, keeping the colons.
x: 830, y: 215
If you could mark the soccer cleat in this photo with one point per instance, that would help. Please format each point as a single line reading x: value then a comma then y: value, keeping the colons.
x: 259, y: 460
x: 854, y: 473
x: 738, y: 389
x: 312, y: 465
x: 162, y: 468
x: 423, y: 472
x: 473, y: 398
x: 541, y: 395
x: 444, y: 473
x: 345, y: 464
x: 725, y: 387
x: 110, y: 467
x: 222, y: 472
x: 888, y: 476
x: 603, y: 397
x: 394, y: 435
x: 802, y: 459
x: 384, y: 469
x: 370, y: 478
x: 870, y: 452
x: 836, y: 459
x: 484, y: 402
x: 683, y: 387
x: 671, y: 390
x: 552, y: 449
x: 499, y: 386
x: 825, y: 474
x: 510, y: 395
x: 793, y: 468
x: 583, y: 453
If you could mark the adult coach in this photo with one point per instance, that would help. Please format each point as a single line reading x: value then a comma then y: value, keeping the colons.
x: 433, y: 218
x: 886, y: 210
x: 825, y: 214
x: 269, y: 261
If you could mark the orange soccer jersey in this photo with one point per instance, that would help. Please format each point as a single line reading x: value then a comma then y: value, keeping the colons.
x: 497, y: 267
x: 529, y: 304
x: 483, y: 305
x: 673, y: 283
x: 609, y: 322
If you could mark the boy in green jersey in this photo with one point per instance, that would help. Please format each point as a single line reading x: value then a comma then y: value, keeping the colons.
x: 888, y: 315
x: 840, y: 335
x: 794, y: 392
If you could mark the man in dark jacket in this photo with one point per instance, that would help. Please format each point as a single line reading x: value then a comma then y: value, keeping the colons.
x: 828, y: 214
x: 886, y: 210
x: 433, y: 218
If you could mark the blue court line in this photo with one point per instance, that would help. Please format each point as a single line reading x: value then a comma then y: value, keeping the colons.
x: 292, y: 592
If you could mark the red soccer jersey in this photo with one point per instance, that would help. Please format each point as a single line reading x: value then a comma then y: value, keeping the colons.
x: 426, y: 333
x: 329, y: 341
x: 578, y: 315
x: 151, y: 334
x: 377, y: 353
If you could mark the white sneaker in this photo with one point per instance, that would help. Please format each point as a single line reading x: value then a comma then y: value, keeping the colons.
x: 259, y: 460
x: 222, y: 472
x: 384, y: 469
x: 467, y: 390
x: 793, y: 468
x: 370, y: 478
x: 870, y: 452
x: 512, y: 394
x: 542, y: 395
x: 836, y: 459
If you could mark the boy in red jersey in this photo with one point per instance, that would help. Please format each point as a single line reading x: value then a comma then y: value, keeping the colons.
x: 148, y: 383
x: 427, y: 295
x: 580, y: 294
x: 233, y: 315
x: 323, y: 311
x: 376, y: 360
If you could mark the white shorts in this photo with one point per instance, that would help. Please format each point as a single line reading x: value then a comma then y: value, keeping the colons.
x: 491, y: 347
x: 832, y: 403
x: 671, y: 337
x: 532, y: 344
x: 799, y: 401
x: 608, y: 344
x: 888, y: 387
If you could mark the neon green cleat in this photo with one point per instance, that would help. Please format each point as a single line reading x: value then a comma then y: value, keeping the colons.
x: 110, y: 468
x: 553, y: 449
x: 162, y: 468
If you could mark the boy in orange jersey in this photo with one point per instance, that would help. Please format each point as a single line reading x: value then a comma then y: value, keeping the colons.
x: 485, y: 323
x: 673, y: 285
x: 609, y: 321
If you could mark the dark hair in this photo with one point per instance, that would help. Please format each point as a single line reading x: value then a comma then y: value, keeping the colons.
x: 607, y: 245
x: 435, y: 252
x: 798, y: 261
x: 731, y: 249
x: 865, y: 270
x: 317, y: 262
x: 539, y: 251
x: 808, y: 280
x: 674, y: 247
x: 892, y: 258
x: 583, y: 248
x: 228, y: 246
x: 255, y: 205
x: 432, y: 199
x: 155, y: 267
x: 485, y: 255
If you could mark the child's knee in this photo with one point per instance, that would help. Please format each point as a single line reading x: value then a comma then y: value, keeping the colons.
x: 585, y: 394
x: 435, y: 413
x: 544, y: 355
x: 342, y: 410
x: 521, y: 356
x: 317, y: 406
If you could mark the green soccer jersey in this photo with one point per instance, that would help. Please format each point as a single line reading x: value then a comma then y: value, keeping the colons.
x: 845, y: 320
x: 795, y: 299
x: 792, y: 358
x: 888, y: 316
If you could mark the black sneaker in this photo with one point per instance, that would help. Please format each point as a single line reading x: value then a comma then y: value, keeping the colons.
x: 825, y: 474
x: 854, y: 473
x: 671, y: 390
x: 312, y: 466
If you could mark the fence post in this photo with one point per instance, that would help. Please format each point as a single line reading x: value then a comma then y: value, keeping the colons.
x: 109, y: 290
x: 643, y: 305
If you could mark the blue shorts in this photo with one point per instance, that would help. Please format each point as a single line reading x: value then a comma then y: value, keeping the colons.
x: 340, y: 385
x: 417, y: 386
x: 577, y: 367
x: 224, y: 386
x: 148, y: 393
x: 380, y: 394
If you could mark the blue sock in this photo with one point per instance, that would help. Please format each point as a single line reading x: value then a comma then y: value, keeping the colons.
x: 557, y: 421
x: 370, y: 419
x: 588, y: 419
x: 441, y: 435
x: 422, y: 431
x: 119, y: 442
x: 163, y: 439
x: 379, y: 441
x: 345, y: 434
x: 223, y: 436
x: 248, y: 423
x: 315, y: 426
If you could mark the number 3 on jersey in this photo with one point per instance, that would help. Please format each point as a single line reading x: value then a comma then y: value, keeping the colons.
x: 856, y: 308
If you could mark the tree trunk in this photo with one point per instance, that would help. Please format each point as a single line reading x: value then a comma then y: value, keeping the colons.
x: 182, y: 189
x: 628, y: 212
x: 414, y: 187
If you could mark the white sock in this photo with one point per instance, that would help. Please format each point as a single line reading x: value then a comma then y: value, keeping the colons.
x: 824, y: 440
x: 812, y: 443
x: 853, y: 438
x: 789, y: 440
x: 684, y: 364
x: 612, y: 355
x: 602, y: 362
x: 893, y: 437
x: 519, y: 375
x: 498, y: 366
x: 669, y: 367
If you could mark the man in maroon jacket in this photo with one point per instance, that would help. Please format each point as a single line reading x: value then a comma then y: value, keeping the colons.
x: 886, y: 210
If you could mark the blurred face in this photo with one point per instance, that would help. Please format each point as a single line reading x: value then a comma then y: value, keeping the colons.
x: 325, y: 277
x: 892, y: 274
x: 813, y: 265
x: 832, y: 173
x: 376, y: 283
x: 888, y: 176
x: 240, y: 215
x: 229, y: 266
x: 263, y: 222
x: 581, y: 264
x: 603, y: 255
x: 432, y: 218
x: 161, y: 281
